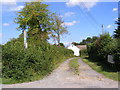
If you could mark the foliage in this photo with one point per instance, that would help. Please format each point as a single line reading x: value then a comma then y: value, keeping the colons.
x: 61, y: 44
x: 88, y: 40
x: 58, y: 28
x: 104, y: 46
x: 117, y: 31
x: 0, y: 53
x: 83, y: 52
x: 38, y: 60
x: 117, y: 54
x: 0, y: 62
x: 37, y: 19
x: 74, y: 43
x: 40, y: 23
x: 74, y: 65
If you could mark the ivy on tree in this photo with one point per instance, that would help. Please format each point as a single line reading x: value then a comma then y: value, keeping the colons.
x: 40, y: 22
x: 36, y: 18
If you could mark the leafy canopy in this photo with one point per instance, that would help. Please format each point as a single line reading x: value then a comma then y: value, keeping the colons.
x: 36, y: 18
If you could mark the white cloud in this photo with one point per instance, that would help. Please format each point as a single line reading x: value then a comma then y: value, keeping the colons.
x: 5, y: 1
x: 72, y: 3
x: 68, y: 14
x: 85, y: 5
x: 114, y: 9
x: 17, y: 8
x: 10, y: 5
x: 70, y: 23
x: 109, y: 26
x: 8, y: 2
x: 6, y: 24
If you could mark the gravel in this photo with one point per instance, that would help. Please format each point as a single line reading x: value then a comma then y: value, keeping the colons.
x: 63, y: 77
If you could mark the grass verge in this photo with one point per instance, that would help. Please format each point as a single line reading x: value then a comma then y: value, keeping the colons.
x: 74, y: 65
x: 103, y: 70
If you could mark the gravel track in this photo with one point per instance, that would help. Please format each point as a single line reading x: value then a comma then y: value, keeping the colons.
x: 63, y: 77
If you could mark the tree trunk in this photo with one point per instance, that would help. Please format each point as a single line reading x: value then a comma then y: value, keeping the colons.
x: 58, y: 38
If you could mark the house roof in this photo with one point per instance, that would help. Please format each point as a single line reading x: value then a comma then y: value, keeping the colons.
x: 81, y: 47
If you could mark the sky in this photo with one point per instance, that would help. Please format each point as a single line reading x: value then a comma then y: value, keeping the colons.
x: 83, y: 19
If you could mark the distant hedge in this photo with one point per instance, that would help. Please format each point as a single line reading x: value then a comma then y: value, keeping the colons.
x: 105, y: 45
x: 38, y: 60
x: 83, y: 52
x: 117, y: 55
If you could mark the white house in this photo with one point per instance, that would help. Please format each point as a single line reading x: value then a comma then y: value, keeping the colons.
x: 74, y: 49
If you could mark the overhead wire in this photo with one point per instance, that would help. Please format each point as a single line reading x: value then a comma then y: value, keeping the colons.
x: 88, y: 16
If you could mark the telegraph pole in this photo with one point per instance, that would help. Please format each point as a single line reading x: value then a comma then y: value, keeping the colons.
x: 102, y: 29
x: 25, y: 39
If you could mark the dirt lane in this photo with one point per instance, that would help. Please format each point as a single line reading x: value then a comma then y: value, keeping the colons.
x: 63, y: 77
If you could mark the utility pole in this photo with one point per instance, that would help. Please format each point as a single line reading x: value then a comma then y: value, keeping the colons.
x: 102, y: 29
x: 25, y: 39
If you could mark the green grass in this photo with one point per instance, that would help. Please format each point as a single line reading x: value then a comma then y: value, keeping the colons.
x: 102, y: 68
x: 74, y: 65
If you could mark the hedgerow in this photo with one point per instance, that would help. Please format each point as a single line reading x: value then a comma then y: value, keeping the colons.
x: 104, y: 46
x: 83, y: 52
x: 23, y: 65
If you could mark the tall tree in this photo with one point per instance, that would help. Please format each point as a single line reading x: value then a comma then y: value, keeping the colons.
x: 117, y: 31
x: 58, y: 28
x: 88, y: 40
x: 36, y: 18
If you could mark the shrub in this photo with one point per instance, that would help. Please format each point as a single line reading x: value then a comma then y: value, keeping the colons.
x: 0, y: 53
x: 23, y: 65
x: 83, y: 52
x: 117, y: 55
x: 104, y: 46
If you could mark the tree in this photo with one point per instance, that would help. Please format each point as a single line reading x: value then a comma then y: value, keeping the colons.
x: 36, y: 18
x: 58, y: 28
x: 102, y: 47
x: 117, y: 31
x: 74, y: 43
x: 88, y: 40
x: 61, y: 44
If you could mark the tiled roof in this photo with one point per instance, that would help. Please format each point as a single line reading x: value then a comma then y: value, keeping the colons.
x: 82, y: 47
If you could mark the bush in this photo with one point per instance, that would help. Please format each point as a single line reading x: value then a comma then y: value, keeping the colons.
x: 117, y: 55
x: 37, y: 60
x: 0, y: 53
x: 104, y: 46
x: 83, y: 52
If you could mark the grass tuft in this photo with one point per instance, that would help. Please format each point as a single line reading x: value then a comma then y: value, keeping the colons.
x: 74, y: 65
